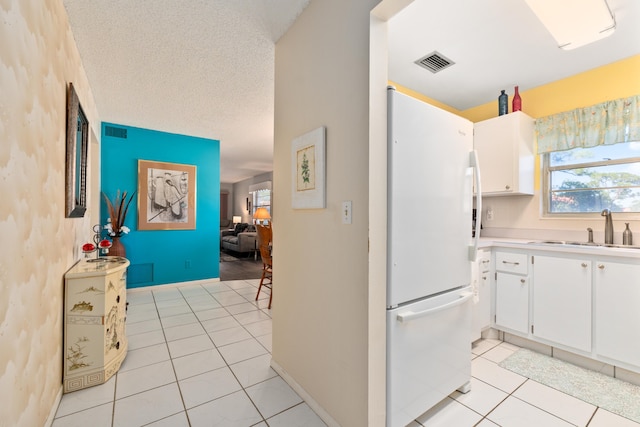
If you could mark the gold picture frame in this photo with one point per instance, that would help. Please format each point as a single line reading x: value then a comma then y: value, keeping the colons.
x: 308, y: 170
x: 166, y: 196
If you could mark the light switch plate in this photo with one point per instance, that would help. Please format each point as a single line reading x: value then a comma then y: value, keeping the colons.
x: 346, y: 212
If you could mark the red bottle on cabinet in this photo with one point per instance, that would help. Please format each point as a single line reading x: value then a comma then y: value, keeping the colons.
x: 516, y: 104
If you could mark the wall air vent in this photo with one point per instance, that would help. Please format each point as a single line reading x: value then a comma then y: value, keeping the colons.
x: 435, y: 62
x: 115, y: 132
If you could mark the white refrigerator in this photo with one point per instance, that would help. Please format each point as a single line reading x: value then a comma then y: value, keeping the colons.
x: 431, y: 171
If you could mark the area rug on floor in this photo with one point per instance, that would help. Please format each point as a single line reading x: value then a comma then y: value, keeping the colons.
x: 228, y: 258
x: 619, y: 397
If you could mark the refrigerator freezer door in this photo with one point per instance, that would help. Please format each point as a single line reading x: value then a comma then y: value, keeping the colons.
x: 430, y: 192
x: 428, y: 354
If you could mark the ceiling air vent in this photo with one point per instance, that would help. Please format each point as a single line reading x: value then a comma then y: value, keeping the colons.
x: 115, y: 132
x: 435, y: 62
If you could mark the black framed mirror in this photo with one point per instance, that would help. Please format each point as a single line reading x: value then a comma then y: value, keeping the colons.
x: 76, y: 159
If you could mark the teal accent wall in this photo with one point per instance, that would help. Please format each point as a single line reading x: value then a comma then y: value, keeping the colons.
x: 166, y: 256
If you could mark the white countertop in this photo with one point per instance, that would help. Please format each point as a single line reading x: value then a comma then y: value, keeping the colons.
x: 537, y: 245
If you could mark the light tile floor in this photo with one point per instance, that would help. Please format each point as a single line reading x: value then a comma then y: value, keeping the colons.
x: 199, y: 356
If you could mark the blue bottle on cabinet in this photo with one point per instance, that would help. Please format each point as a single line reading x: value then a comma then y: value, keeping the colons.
x: 503, y: 103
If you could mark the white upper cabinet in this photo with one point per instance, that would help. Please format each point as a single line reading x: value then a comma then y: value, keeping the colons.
x: 505, y: 152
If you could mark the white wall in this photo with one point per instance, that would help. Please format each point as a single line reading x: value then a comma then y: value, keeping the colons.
x: 321, y: 293
x: 38, y: 57
x: 520, y: 217
x: 227, y: 187
x: 241, y: 192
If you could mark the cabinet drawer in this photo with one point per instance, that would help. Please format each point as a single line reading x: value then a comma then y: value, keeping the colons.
x: 485, y: 264
x: 511, y: 263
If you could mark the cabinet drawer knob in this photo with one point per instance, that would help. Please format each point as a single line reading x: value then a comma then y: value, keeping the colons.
x: 510, y: 262
x: 584, y: 264
x: 601, y: 266
x: 507, y: 187
x: 522, y: 281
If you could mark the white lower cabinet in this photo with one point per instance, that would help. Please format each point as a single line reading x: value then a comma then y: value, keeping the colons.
x: 95, y: 342
x: 617, y: 305
x: 562, y: 301
x: 481, y: 276
x: 512, y: 291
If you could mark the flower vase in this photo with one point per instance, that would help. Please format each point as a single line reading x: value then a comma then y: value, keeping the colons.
x: 117, y: 248
x: 516, y: 104
x: 503, y: 107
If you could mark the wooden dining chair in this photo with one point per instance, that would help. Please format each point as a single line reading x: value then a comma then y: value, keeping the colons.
x: 264, y: 246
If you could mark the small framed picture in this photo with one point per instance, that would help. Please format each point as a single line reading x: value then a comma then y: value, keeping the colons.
x: 308, y: 170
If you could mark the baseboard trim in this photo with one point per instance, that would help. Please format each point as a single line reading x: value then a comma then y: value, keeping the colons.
x: 174, y: 285
x: 54, y: 408
x: 319, y: 410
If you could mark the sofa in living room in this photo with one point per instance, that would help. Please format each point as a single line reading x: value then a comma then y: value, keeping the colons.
x: 241, y: 239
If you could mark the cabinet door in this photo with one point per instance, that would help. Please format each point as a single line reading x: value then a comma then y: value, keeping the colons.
x: 114, y: 315
x: 512, y: 302
x: 505, y: 153
x: 617, y: 306
x: 562, y: 301
x: 495, y: 154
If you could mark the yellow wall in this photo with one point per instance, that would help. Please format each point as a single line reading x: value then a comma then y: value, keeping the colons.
x: 617, y: 80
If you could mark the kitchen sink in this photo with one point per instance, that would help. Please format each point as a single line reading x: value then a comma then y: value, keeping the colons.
x: 591, y: 244
x: 547, y: 242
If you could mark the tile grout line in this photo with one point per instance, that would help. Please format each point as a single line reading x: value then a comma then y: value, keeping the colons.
x: 156, y: 310
x: 228, y: 366
x: 171, y: 359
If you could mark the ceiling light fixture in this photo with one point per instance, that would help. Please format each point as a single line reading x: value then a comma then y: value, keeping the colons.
x: 574, y: 23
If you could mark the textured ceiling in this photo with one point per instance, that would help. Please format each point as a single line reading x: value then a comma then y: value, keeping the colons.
x: 206, y: 67
x: 203, y: 68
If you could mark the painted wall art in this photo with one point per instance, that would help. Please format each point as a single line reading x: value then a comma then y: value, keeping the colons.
x: 166, y: 196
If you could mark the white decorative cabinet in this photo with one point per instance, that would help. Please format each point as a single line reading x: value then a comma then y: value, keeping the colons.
x: 505, y: 153
x: 95, y: 342
x: 512, y: 291
x: 562, y: 300
x: 617, y: 304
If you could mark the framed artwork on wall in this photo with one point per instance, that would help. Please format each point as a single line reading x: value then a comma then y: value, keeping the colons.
x: 76, y: 157
x: 166, y: 196
x: 308, y: 170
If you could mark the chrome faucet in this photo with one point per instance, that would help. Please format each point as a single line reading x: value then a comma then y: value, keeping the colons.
x: 608, y: 227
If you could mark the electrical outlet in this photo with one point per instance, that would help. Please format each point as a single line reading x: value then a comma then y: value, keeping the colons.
x: 489, y: 214
x: 346, y: 212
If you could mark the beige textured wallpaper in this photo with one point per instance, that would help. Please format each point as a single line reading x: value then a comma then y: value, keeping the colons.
x: 38, y: 56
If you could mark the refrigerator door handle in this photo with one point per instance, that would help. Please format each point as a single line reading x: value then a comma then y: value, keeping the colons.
x: 410, y: 315
x: 473, y: 249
